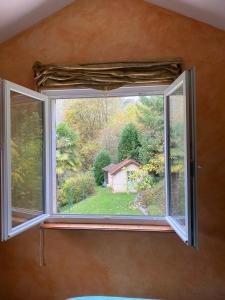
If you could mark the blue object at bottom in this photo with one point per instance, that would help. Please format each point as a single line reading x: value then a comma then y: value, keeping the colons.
x: 106, y: 298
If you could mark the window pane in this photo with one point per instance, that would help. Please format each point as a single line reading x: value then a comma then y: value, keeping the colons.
x: 177, y: 154
x: 27, y: 158
x: 109, y: 156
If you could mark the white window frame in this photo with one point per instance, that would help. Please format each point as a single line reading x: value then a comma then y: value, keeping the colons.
x: 189, y: 233
x: 7, y: 230
x: 49, y: 97
x: 126, y: 91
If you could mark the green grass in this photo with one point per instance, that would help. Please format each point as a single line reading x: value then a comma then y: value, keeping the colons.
x: 154, y: 210
x: 104, y: 202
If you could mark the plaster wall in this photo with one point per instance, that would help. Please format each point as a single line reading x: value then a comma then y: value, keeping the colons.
x: 156, y: 265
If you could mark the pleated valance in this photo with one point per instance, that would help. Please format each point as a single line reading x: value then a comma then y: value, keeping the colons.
x: 106, y: 76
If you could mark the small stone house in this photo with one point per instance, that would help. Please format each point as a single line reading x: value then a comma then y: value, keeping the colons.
x: 116, y: 176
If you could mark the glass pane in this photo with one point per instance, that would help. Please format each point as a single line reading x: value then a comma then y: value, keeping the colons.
x: 109, y: 156
x: 27, y: 158
x: 177, y: 154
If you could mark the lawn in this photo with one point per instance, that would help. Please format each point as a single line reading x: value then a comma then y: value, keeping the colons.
x: 104, y: 202
x: 154, y: 210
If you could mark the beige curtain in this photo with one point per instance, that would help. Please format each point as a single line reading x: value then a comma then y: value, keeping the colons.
x: 106, y: 76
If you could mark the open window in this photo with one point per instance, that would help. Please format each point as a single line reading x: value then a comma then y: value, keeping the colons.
x: 180, y: 157
x: 24, y: 159
x: 39, y: 154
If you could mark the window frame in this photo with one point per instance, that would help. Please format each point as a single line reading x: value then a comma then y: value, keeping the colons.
x: 53, y: 95
x: 7, y: 231
x: 189, y: 233
x: 49, y: 96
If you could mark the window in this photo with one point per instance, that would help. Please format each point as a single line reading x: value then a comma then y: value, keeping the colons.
x: 180, y: 157
x: 109, y: 155
x: 126, y: 155
x: 25, y: 176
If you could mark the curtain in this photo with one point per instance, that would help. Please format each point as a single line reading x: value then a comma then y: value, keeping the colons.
x: 106, y: 76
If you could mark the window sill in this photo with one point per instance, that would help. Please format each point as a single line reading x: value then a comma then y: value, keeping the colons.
x: 109, y: 227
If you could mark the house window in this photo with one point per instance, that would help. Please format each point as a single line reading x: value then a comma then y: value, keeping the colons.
x: 99, y: 141
x: 121, y: 156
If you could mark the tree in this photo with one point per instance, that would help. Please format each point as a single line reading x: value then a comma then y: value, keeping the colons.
x: 88, y: 152
x: 150, y: 112
x: 110, y: 134
x: 108, y: 140
x: 102, y: 160
x: 129, y: 143
x: 67, y: 159
x: 88, y: 117
x: 150, y: 116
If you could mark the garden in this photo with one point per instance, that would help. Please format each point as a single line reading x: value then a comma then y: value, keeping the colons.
x: 95, y: 133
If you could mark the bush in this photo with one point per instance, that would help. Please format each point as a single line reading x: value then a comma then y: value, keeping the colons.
x: 76, y: 189
x: 102, y: 160
x: 154, y: 196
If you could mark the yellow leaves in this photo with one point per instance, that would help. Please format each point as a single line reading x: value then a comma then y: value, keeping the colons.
x: 155, y: 165
x: 121, y: 118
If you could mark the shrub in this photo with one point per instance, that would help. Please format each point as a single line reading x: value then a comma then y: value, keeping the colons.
x: 141, y: 180
x: 155, y: 196
x: 102, y: 160
x: 76, y: 189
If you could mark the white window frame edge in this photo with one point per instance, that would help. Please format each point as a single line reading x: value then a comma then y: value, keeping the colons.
x: 6, y: 201
x: 53, y: 95
x: 175, y: 85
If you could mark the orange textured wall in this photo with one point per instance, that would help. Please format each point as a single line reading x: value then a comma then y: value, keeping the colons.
x: 125, y: 263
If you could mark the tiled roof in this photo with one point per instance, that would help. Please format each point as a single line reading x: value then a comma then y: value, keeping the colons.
x: 115, y: 168
x: 109, y: 168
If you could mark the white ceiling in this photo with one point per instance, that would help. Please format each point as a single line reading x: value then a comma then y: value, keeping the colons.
x: 209, y: 11
x: 17, y: 15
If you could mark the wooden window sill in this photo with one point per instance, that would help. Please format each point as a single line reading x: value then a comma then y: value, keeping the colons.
x: 110, y: 227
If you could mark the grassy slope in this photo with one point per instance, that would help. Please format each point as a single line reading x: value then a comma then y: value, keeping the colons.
x: 104, y: 202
